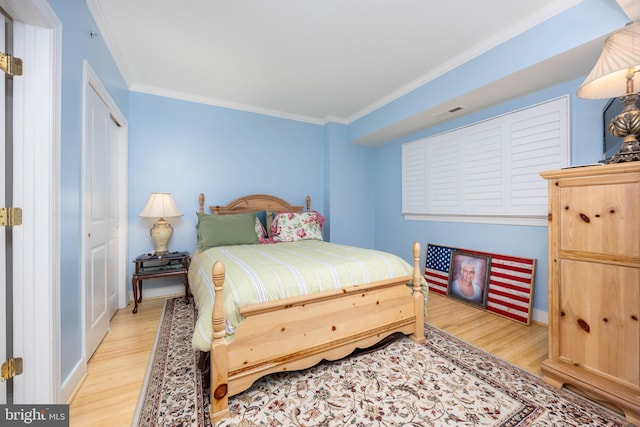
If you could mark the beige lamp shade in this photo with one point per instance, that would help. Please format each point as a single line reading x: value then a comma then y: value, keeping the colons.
x: 620, y: 53
x: 161, y: 205
x: 615, y: 75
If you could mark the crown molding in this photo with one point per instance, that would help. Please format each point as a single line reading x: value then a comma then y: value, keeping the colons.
x: 104, y: 31
x: 514, y: 30
x: 152, y: 90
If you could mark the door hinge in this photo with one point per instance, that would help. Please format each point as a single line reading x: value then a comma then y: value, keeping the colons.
x: 10, y: 217
x: 10, y: 65
x: 11, y: 368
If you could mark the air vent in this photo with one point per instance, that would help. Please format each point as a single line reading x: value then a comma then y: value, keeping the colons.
x: 449, y: 111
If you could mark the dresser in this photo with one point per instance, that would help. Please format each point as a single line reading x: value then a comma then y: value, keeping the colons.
x: 594, y: 283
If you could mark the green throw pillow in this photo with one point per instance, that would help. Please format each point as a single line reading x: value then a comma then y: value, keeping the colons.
x: 224, y: 230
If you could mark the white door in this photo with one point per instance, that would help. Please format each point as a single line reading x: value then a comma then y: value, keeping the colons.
x: 35, y: 143
x: 3, y: 240
x: 99, y: 234
x: 113, y: 144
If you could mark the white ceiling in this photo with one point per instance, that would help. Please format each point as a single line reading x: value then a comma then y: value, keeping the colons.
x: 301, y: 59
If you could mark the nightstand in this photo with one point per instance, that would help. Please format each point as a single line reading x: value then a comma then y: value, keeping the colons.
x: 155, y: 266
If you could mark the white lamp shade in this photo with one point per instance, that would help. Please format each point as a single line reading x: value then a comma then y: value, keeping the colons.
x: 160, y: 205
x: 608, y: 77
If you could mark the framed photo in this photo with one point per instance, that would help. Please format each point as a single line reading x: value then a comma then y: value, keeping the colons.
x: 469, y: 278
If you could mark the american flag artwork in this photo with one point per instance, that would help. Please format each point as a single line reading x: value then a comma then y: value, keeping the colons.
x: 437, y: 265
x: 511, y: 281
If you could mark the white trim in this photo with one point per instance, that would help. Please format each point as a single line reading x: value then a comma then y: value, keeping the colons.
x: 230, y: 105
x: 37, y: 100
x: 514, y: 30
x: 89, y: 77
x: 95, y: 8
x: 73, y: 381
x: 3, y: 236
x: 91, y: 80
x: 540, y: 221
x: 540, y: 316
x: 165, y: 291
x: 519, y: 27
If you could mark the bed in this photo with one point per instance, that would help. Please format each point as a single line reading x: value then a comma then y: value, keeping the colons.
x: 251, y: 333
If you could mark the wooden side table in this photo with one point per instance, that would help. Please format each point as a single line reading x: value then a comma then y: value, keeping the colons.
x: 155, y: 266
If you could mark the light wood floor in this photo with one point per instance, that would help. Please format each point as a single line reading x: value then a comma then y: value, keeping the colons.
x: 109, y: 392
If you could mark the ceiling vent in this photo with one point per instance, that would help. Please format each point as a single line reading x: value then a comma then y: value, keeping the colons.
x: 449, y: 111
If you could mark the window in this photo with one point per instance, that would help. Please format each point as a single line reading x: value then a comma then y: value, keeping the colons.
x: 487, y: 171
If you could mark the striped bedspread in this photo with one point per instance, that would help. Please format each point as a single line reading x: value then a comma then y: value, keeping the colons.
x: 261, y: 273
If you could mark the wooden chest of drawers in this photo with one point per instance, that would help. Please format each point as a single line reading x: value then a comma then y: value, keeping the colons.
x: 594, y: 283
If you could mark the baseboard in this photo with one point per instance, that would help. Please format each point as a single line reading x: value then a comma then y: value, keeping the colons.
x: 540, y: 316
x: 158, y: 292
x: 73, y: 382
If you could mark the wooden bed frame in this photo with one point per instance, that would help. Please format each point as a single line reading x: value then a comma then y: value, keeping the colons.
x: 299, y: 332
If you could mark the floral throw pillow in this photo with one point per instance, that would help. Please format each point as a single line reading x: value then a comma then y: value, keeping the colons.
x: 290, y: 226
x: 261, y: 232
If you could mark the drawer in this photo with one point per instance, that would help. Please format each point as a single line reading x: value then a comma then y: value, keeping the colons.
x: 598, y: 314
x: 600, y: 218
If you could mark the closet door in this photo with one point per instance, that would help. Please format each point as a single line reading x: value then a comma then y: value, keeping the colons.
x: 99, y: 257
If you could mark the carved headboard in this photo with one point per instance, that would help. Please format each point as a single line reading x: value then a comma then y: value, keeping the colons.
x: 255, y: 203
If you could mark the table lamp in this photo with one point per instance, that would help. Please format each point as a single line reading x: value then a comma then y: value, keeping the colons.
x: 615, y: 75
x: 161, y: 205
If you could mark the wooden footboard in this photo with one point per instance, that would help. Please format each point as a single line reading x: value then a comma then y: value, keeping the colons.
x: 299, y: 332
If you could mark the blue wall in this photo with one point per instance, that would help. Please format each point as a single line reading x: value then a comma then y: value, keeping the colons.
x: 350, y: 192
x: 586, y: 21
x: 77, y: 46
x: 394, y: 234
x: 186, y: 148
x: 580, y: 24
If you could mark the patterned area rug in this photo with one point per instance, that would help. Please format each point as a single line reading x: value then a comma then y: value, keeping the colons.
x: 444, y: 382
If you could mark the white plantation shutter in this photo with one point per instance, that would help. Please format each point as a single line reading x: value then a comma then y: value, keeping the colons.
x: 414, y: 170
x: 488, y: 171
x: 483, y: 169
x: 443, y: 174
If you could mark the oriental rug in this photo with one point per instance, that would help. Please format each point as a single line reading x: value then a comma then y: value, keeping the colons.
x: 444, y: 382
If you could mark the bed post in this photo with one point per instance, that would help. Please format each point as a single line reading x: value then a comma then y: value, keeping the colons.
x: 418, y: 299
x: 308, y: 203
x: 218, y: 358
x: 201, y: 200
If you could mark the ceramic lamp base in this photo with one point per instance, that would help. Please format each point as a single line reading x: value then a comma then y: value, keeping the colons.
x: 160, y: 234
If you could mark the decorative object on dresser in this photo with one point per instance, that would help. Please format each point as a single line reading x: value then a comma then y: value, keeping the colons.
x: 161, y: 206
x: 511, y: 279
x: 615, y: 75
x: 296, y: 301
x: 594, y: 283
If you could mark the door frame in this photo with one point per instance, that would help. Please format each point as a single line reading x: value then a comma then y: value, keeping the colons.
x: 37, y: 118
x: 90, y: 80
x: 4, y: 142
